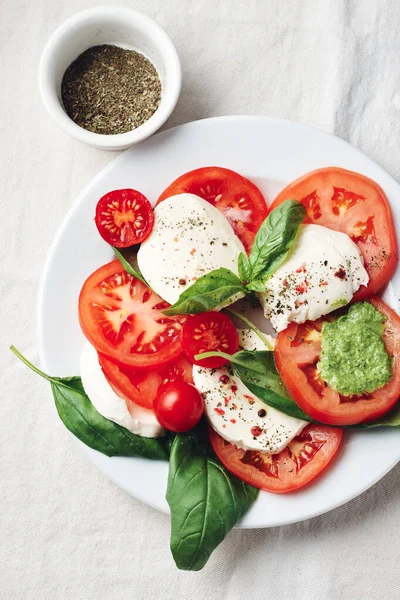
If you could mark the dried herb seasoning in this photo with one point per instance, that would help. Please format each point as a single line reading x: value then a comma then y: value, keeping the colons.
x: 110, y: 90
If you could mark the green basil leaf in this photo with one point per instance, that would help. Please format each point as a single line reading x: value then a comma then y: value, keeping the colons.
x: 256, y: 286
x: 243, y: 267
x: 213, y: 290
x: 80, y: 416
x: 257, y: 370
x: 273, y: 241
x: 205, y: 500
x: 128, y: 259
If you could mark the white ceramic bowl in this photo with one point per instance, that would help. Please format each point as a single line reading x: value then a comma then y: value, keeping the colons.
x: 109, y: 25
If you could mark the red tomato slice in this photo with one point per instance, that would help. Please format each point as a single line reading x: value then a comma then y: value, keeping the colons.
x: 351, y: 203
x: 122, y: 318
x: 206, y: 332
x: 304, y: 459
x: 140, y: 386
x: 124, y: 218
x: 236, y: 197
x: 297, y: 354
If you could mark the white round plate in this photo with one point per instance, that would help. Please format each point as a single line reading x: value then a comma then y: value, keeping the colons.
x: 271, y: 153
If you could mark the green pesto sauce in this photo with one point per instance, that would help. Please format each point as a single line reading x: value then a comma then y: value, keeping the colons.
x: 353, y: 357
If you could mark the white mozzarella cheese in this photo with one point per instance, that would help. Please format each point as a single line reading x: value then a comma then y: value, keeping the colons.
x: 133, y: 417
x: 190, y: 237
x: 237, y: 415
x: 322, y: 272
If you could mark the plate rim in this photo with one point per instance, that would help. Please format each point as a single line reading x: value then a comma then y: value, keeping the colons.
x: 90, y: 453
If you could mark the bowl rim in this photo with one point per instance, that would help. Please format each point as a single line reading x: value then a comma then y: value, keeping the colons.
x: 168, y: 99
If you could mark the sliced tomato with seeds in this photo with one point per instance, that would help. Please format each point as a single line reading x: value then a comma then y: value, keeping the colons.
x: 306, y: 457
x: 123, y: 319
x: 206, y: 332
x: 297, y: 353
x: 353, y: 204
x: 141, y: 387
x: 124, y: 218
x: 236, y: 197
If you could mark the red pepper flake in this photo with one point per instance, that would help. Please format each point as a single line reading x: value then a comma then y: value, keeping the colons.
x: 234, y: 406
x: 182, y: 281
x: 224, y: 425
x: 176, y: 239
x: 234, y: 388
x: 285, y: 283
x: 323, y: 283
x: 256, y: 431
x: 192, y: 252
x: 233, y: 421
x: 219, y: 411
x: 302, y: 288
x: 340, y: 274
x: 226, y: 401
x: 302, y: 269
x: 224, y: 379
x: 249, y: 398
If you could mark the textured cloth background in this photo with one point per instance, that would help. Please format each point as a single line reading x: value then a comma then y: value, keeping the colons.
x: 66, y: 532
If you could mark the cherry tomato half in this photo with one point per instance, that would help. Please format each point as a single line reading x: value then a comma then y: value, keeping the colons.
x: 206, y: 332
x: 178, y: 406
x: 124, y: 218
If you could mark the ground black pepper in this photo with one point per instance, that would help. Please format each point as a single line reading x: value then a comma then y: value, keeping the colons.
x: 110, y: 90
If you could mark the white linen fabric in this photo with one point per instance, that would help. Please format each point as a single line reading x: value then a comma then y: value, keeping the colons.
x: 66, y: 531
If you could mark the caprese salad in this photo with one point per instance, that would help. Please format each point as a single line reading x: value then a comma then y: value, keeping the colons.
x: 173, y: 367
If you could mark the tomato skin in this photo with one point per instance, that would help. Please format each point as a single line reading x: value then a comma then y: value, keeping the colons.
x: 123, y: 319
x: 140, y: 386
x: 236, y: 197
x: 206, y: 332
x: 296, y: 362
x: 124, y: 218
x: 305, y: 459
x: 353, y: 204
x: 178, y: 406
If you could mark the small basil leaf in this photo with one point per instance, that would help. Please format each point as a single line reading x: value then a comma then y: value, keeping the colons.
x: 257, y: 370
x: 128, y: 259
x: 205, y: 500
x: 256, y: 286
x: 274, y: 239
x: 243, y: 267
x: 81, y: 418
x: 274, y: 400
x: 214, y: 290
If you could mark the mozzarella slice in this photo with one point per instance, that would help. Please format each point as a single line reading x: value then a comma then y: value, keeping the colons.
x: 135, y: 418
x: 190, y: 237
x: 322, y: 272
x: 237, y: 415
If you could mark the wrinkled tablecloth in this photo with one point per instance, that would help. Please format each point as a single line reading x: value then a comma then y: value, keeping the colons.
x: 66, y: 532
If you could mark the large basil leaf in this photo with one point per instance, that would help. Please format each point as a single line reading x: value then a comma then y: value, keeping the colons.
x: 257, y: 370
x: 210, y: 291
x: 80, y: 416
x: 128, y: 259
x: 205, y: 500
x: 271, y: 244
